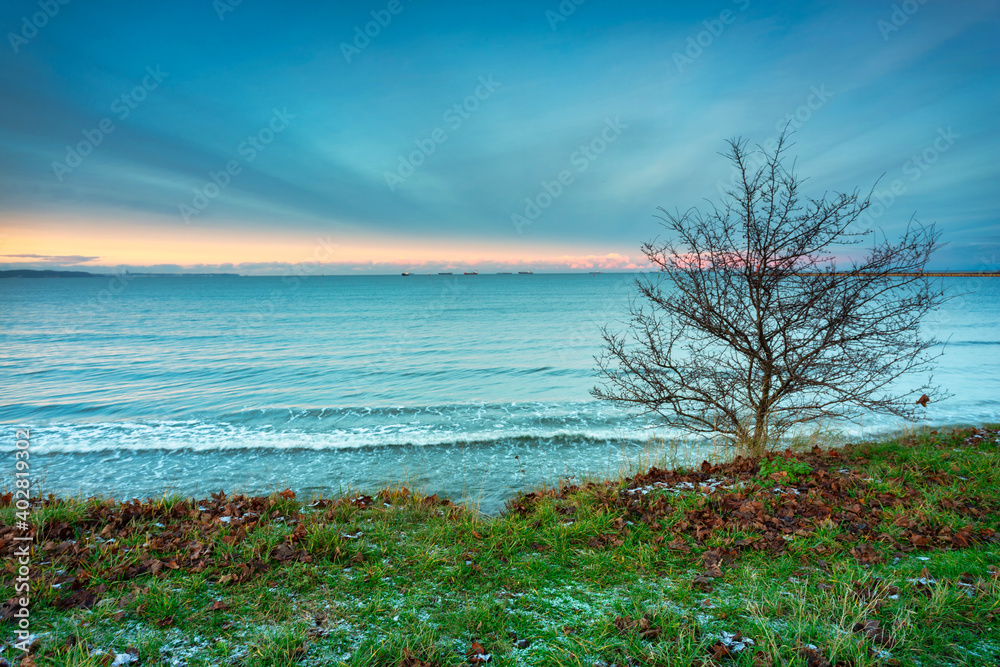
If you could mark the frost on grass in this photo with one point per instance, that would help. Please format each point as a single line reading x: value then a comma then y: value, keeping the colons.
x: 734, y: 643
x: 706, y: 487
x: 180, y: 648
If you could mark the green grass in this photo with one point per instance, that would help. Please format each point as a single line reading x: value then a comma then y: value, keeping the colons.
x: 401, y: 581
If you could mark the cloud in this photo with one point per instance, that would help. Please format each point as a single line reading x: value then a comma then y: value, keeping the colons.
x: 610, y: 262
x: 57, y: 259
x: 553, y: 264
x: 354, y: 122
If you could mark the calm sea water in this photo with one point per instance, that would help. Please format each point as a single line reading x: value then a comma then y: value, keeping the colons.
x: 469, y: 386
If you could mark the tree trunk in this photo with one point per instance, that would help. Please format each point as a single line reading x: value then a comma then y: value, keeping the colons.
x: 758, y: 443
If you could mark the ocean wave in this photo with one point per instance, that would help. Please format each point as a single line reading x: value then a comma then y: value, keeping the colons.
x: 348, y: 428
x: 339, y: 428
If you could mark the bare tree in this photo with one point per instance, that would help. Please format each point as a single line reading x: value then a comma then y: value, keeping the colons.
x: 750, y: 326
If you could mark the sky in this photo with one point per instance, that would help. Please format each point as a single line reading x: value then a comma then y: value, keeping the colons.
x: 387, y: 135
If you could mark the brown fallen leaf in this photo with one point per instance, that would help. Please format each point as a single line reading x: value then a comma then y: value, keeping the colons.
x: 410, y: 660
x: 81, y: 599
x: 478, y: 654
x: 703, y: 583
x: 643, y: 627
x: 712, y: 561
x: 872, y: 630
x: 814, y: 658
x: 679, y: 544
x: 719, y: 650
x: 8, y: 608
x: 283, y: 552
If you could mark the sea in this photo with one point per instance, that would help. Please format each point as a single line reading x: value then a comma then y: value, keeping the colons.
x: 473, y: 387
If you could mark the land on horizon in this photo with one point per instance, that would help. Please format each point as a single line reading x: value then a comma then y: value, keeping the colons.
x: 42, y: 273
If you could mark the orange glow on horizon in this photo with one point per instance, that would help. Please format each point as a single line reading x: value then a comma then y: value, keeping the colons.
x: 117, y: 244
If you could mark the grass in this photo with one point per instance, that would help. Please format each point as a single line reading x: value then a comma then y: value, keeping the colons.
x: 601, y: 574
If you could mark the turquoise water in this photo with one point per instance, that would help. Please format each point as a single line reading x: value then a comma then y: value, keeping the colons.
x: 471, y: 386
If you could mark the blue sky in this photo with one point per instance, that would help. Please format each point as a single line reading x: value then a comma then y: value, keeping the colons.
x: 629, y: 103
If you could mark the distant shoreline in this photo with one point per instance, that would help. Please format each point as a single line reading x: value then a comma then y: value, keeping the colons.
x: 927, y: 274
x: 35, y: 273
x: 47, y: 273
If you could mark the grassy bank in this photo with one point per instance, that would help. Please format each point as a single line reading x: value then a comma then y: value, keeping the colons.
x: 879, y: 553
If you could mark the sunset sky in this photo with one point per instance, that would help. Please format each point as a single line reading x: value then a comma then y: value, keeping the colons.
x: 248, y: 136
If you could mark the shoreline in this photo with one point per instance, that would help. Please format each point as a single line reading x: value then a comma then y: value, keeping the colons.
x: 485, y: 490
